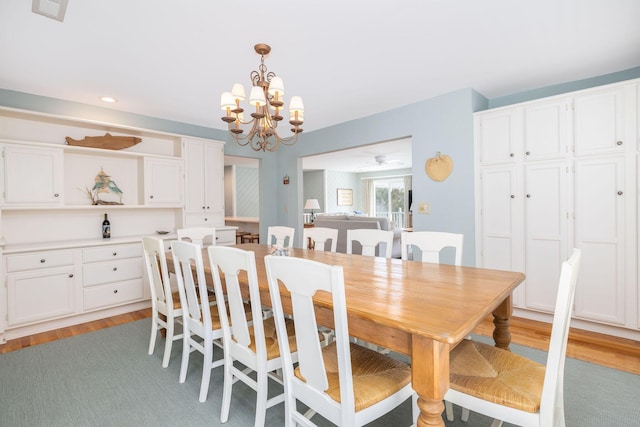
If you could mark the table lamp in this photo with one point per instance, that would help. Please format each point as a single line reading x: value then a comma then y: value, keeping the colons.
x: 312, y: 204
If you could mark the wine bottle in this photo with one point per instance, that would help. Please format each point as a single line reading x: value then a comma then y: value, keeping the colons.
x: 106, y: 227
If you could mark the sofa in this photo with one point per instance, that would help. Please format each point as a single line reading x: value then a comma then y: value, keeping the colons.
x: 351, y: 222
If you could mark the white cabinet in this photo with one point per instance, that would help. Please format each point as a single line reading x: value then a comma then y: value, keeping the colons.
x: 599, y: 122
x: 204, y: 182
x: 40, y: 286
x: 32, y: 175
x: 559, y: 173
x: 600, y: 198
x: 164, y: 184
x: 112, y: 275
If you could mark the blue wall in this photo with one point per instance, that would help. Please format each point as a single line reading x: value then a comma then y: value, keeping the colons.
x: 444, y: 124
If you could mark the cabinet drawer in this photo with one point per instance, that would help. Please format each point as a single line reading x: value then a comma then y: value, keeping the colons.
x: 35, y: 260
x: 112, y: 271
x: 113, y: 294
x: 112, y: 252
x: 225, y: 237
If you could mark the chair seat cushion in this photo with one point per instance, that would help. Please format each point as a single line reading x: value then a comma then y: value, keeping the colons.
x: 271, y: 338
x: 375, y: 375
x: 496, y: 375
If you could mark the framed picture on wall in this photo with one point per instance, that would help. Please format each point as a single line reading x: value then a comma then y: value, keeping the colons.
x: 345, y: 197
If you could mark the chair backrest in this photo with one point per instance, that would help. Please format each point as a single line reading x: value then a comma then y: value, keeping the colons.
x: 431, y: 243
x: 233, y: 262
x: 369, y: 239
x: 195, y: 310
x: 552, y: 390
x: 201, y: 236
x: 280, y: 236
x: 302, y: 278
x: 157, y: 273
x: 320, y: 235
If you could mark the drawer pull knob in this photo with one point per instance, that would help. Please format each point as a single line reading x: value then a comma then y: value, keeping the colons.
x: 71, y: 275
x: 115, y: 291
x: 56, y: 195
x: 620, y: 193
x: 115, y: 253
x: 619, y: 143
x: 43, y: 260
x: 115, y: 268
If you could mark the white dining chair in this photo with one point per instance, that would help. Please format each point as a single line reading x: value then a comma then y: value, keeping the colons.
x: 508, y: 387
x: 371, y: 238
x: 201, y: 236
x: 347, y: 384
x: 201, y: 321
x: 249, y: 341
x: 430, y: 244
x: 319, y: 236
x: 280, y: 236
x: 163, y: 301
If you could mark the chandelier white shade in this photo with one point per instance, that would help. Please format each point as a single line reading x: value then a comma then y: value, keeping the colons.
x: 267, y: 99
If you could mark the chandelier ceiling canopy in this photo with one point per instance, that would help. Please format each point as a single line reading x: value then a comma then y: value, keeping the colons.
x: 267, y: 96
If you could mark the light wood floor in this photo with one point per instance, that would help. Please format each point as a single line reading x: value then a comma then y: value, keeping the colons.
x: 605, y: 350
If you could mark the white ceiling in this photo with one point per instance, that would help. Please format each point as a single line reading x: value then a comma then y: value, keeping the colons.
x: 347, y: 59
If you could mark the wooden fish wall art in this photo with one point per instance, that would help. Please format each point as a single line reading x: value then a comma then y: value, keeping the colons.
x: 107, y: 141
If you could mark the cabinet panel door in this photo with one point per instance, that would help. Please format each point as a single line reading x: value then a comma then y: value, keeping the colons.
x: 545, y: 231
x: 214, y: 184
x: 163, y: 181
x: 599, y: 122
x: 600, y: 233
x: 499, y: 136
x: 194, y: 163
x: 545, y: 130
x: 500, y: 244
x: 42, y: 294
x: 33, y: 175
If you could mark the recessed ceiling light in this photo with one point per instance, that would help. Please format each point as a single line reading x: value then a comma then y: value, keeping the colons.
x: 50, y: 8
x: 108, y: 99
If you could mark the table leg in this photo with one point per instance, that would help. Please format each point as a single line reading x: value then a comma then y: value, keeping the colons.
x: 430, y: 378
x: 501, y: 317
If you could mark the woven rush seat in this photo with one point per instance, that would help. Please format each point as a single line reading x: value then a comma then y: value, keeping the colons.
x: 240, y: 235
x: 375, y: 376
x: 251, y: 238
x: 496, y: 375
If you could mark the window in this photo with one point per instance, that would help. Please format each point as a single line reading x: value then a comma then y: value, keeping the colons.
x: 390, y: 200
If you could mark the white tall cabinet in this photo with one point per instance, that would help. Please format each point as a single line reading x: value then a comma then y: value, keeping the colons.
x: 204, y: 164
x: 558, y: 173
x: 56, y: 268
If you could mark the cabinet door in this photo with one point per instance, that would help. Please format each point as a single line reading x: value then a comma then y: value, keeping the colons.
x: 204, y: 183
x: 545, y: 130
x: 33, y: 175
x: 600, y: 233
x: 214, y: 178
x: 194, y: 163
x: 499, y: 136
x: 598, y: 119
x: 41, y: 294
x: 545, y: 231
x: 163, y: 182
x: 500, y: 241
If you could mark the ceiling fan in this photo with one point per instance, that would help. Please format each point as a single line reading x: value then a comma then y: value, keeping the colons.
x: 381, y: 161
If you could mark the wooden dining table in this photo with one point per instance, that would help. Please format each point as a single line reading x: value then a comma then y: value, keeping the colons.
x: 418, y: 309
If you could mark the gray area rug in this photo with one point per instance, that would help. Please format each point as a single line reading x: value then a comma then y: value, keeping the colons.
x: 106, y: 378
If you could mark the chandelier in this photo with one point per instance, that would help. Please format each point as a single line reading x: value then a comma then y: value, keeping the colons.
x: 266, y: 96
